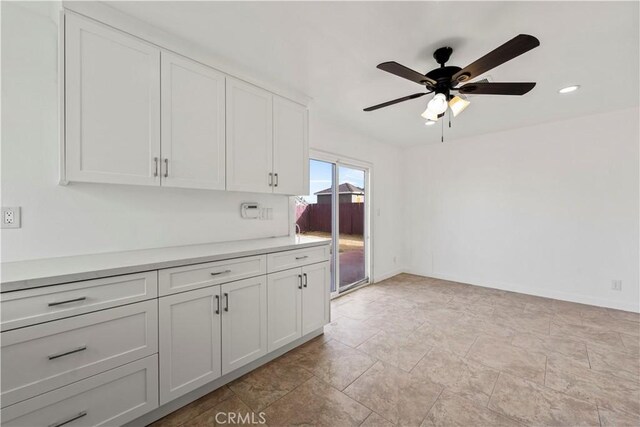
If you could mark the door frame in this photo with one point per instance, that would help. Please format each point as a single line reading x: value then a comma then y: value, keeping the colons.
x: 340, y: 160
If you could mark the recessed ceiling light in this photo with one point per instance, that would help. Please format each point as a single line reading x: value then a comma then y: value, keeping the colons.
x: 569, y: 89
x: 429, y: 123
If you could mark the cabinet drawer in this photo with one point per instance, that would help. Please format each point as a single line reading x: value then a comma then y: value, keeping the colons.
x: 41, y: 358
x: 24, y: 308
x: 111, y: 398
x: 179, y: 279
x: 296, y: 258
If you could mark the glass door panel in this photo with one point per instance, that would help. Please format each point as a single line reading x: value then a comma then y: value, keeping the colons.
x: 351, y: 221
x: 338, y: 212
x: 314, y: 212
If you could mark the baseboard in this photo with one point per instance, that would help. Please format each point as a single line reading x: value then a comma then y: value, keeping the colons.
x: 387, y: 275
x: 545, y: 293
x: 181, y: 401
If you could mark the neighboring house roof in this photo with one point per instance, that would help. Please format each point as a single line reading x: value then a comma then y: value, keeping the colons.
x: 346, y: 188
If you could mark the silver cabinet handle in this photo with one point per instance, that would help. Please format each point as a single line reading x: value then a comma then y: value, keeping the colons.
x: 69, y: 301
x: 270, y: 179
x: 155, y: 160
x: 166, y: 167
x: 302, y: 257
x: 217, y: 304
x: 305, y: 279
x: 276, y: 184
x: 68, y: 420
x: 68, y: 352
x: 221, y: 272
x: 226, y: 301
x: 299, y: 281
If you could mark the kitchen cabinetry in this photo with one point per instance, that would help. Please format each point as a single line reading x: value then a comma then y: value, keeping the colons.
x: 315, y: 296
x: 189, y: 341
x: 298, y: 302
x: 193, y: 124
x: 284, y: 307
x: 244, y: 322
x: 249, y: 138
x: 138, y: 114
x: 290, y: 147
x: 112, y: 105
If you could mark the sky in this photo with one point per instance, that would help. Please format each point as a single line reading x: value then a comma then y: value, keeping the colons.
x: 320, y: 177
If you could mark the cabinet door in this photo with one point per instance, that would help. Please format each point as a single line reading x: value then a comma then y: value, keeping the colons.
x: 249, y: 138
x: 315, y: 296
x: 244, y: 322
x: 193, y: 135
x: 190, y: 340
x: 112, y: 105
x: 284, y: 308
x: 290, y: 147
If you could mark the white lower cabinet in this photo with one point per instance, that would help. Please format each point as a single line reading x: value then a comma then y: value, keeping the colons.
x: 40, y: 358
x: 244, y: 322
x: 298, y: 303
x: 284, y: 294
x: 111, y: 398
x: 190, y: 339
x: 315, y: 296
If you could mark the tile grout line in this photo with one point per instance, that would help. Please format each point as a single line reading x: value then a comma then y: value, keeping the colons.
x: 493, y: 389
x: 432, y: 405
x: 599, y: 417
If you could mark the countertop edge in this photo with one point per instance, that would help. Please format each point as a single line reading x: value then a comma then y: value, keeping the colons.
x: 19, y: 285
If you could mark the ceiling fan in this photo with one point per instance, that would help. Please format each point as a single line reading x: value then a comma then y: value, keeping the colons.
x: 445, y: 79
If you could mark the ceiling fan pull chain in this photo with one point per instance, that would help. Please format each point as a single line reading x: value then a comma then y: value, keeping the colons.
x: 442, y: 134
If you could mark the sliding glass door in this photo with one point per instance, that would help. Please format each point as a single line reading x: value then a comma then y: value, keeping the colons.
x: 337, y: 208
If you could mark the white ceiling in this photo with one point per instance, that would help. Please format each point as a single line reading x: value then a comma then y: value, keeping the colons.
x: 329, y: 51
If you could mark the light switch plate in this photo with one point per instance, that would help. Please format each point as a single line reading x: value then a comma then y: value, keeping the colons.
x: 10, y: 217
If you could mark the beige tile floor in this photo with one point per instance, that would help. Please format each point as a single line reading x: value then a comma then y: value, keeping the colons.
x: 425, y: 352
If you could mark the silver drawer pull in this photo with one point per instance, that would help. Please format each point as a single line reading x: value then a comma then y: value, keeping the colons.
x: 302, y: 257
x: 221, y: 272
x: 66, y: 353
x: 68, y: 420
x: 69, y: 301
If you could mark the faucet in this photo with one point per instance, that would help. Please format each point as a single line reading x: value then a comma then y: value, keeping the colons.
x: 298, y: 231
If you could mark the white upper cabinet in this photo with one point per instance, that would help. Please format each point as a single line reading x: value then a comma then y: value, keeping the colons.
x: 112, y: 105
x: 137, y: 114
x: 193, y: 124
x: 249, y: 138
x: 290, y: 147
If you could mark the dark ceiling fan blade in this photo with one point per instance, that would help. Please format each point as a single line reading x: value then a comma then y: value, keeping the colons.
x: 511, y: 49
x: 395, y: 101
x: 496, y: 88
x: 406, y: 73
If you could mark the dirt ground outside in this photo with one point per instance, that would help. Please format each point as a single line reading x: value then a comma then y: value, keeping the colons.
x: 348, y: 242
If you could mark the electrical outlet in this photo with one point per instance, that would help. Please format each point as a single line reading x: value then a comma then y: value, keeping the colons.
x: 616, y: 285
x: 11, y: 217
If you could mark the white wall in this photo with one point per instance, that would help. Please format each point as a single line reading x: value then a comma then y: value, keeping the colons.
x: 90, y: 218
x: 386, y: 182
x: 549, y: 210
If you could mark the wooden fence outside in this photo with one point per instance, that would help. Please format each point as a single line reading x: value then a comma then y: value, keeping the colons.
x: 317, y: 217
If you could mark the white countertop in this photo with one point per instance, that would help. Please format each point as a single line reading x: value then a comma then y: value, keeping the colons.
x: 51, y: 271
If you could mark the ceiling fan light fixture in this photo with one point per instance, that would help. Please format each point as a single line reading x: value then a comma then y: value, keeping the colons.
x: 569, y: 89
x: 430, y: 115
x: 458, y: 103
x: 438, y: 104
x: 430, y: 123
